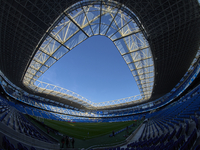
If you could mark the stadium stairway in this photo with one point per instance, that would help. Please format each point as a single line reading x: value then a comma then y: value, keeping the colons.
x: 136, y: 136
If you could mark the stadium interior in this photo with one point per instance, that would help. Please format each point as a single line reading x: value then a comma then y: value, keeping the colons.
x: 159, y: 41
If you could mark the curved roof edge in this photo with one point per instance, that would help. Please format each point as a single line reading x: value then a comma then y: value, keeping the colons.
x: 83, y: 20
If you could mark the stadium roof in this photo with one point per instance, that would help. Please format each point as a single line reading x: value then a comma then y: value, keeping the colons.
x: 170, y: 27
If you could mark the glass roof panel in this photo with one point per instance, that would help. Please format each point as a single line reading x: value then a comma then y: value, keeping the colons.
x: 50, y: 47
x: 88, y: 30
x: 127, y: 58
x: 131, y: 66
x: 110, y: 31
x: 60, y: 52
x: 38, y: 74
x: 69, y: 29
x: 32, y: 71
x: 29, y: 75
x: 104, y: 28
x: 35, y: 65
x: 106, y: 19
x: 81, y: 19
x: 50, y: 62
x: 121, y: 46
x: 43, y: 69
x: 93, y: 14
x: 95, y: 29
x: 41, y: 57
x: 78, y: 38
x: 116, y: 35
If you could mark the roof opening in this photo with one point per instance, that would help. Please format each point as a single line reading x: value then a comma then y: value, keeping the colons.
x: 95, y: 70
x: 86, y: 19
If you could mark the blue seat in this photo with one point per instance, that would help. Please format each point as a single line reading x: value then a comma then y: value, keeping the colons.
x: 4, y: 141
x: 8, y: 121
x: 2, y: 117
x: 196, y: 121
x: 190, y: 141
x: 7, y: 146
x: 172, y: 135
x: 197, y: 147
x: 12, y: 147
x: 25, y: 148
x: 20, y: 147
x: 187, y: 127
x: 179, y: 132
x: 33, y: 148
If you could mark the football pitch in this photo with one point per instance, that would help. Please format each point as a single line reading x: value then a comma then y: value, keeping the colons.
x: 87, y: 130
x: 91, y: 134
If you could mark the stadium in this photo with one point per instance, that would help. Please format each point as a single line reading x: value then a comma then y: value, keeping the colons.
x: 159, y: 40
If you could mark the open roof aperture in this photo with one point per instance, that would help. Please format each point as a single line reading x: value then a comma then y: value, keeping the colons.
x: 81, y: 21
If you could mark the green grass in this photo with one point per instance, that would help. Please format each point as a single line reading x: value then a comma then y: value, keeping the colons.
x: 98, y: 132
x: 80, y: 130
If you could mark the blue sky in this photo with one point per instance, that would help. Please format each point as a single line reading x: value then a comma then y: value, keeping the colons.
x: 95, y: 70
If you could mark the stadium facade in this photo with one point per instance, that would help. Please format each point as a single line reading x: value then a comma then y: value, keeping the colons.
x: 159, y: 41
